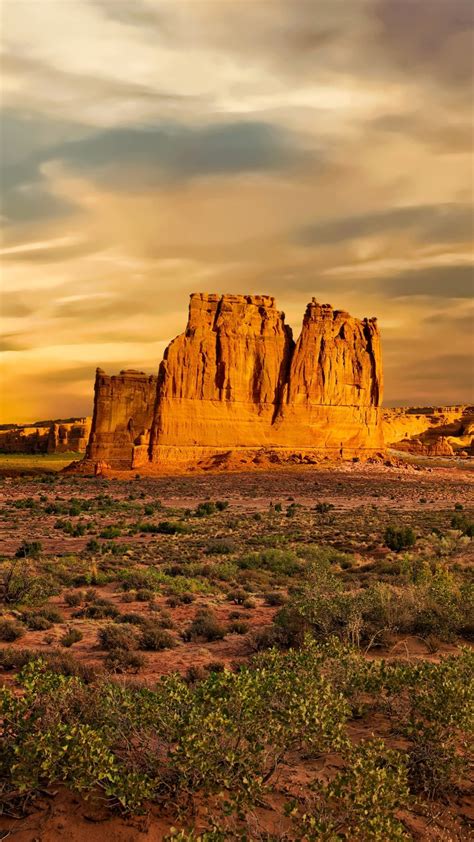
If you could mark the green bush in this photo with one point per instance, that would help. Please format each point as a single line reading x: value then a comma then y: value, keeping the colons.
x: 399, y: 538
x: 361, y: 802
x: 283, y: 562
x: 29, y: 549
x: 110, y: 532
x: 463, y: 523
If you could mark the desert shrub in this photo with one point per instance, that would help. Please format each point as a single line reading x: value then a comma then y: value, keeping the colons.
x: 36, y: 622
x: 434, y: 764
x: 205, y: 625
x: 249, y: 603
x: 322, y: 607
x: 121, y: 660
x: 463, y: 523
x: 361, y: 802
x: 102, y: 609
x: 238, y: 627
x: 19, y: 583
x: 220, y: 547
x: 169, y: 527
x: 144, y: 595
x: 29, y: 549
x: 275, y: 598
x: 49, y: 613
x: 323, y: 508
x: 131, y: 617
x: 70, y: 637
x: 93, y: 546
x: 265, y: 638
x: 180, y: 599
x: 205, y: 509
x: 399, y: 538
x: 238, y: 597
x: 74, y: 598
x: 110, y: 532
x: 444, y: 606
x: 56, y: 661
x: 194, y: 674
x: 225, y: 734
x: 114, y: 636
x: 283, y: 562
x: 10, y: 630
x: 155, y: 638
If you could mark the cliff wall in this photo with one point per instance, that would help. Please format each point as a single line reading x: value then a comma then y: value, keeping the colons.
x: 123, y: 415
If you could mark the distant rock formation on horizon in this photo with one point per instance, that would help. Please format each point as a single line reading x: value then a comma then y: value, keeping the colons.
x: 430, y: 430
x: 69, y: 436
x: 236, y: 385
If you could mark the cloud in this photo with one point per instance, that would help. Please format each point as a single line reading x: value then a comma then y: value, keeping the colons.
x: 13, y: 305
x: 134, y: 158
x: 444, y: 136
x: 434, y: 41
x: 456, y: 281
x: 428, y: 223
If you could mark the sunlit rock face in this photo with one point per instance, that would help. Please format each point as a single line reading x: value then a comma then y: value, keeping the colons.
x: 430, y: 430
x: 123, y: 414
x: 47, y: 437
x: 235, y: 382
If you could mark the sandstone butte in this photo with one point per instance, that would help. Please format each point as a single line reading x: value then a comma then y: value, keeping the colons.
x: 236, y: 386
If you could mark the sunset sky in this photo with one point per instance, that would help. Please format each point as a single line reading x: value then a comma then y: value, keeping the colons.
x: 297, y: 148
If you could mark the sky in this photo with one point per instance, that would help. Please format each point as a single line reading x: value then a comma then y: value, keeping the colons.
x: 295, y: 148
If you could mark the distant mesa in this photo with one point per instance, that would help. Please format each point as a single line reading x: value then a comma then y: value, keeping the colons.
x: 235, y: 388
x: 70, y: 436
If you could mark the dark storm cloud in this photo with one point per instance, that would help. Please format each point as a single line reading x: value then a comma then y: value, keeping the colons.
x: 429, y: 223
x: 131, y: 158
x: 25, y: 137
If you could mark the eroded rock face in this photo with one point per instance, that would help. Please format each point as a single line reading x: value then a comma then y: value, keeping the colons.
x: 236, y: 382
x: 123, y: 415
x: 334, y: 389
x: 221, y: 381
x: 431, y: 430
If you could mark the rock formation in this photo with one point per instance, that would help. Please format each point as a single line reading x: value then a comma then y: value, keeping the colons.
x: 46, y: 437
x: 123, y: 415
x: 236, y: 383
x: 430, y: 431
